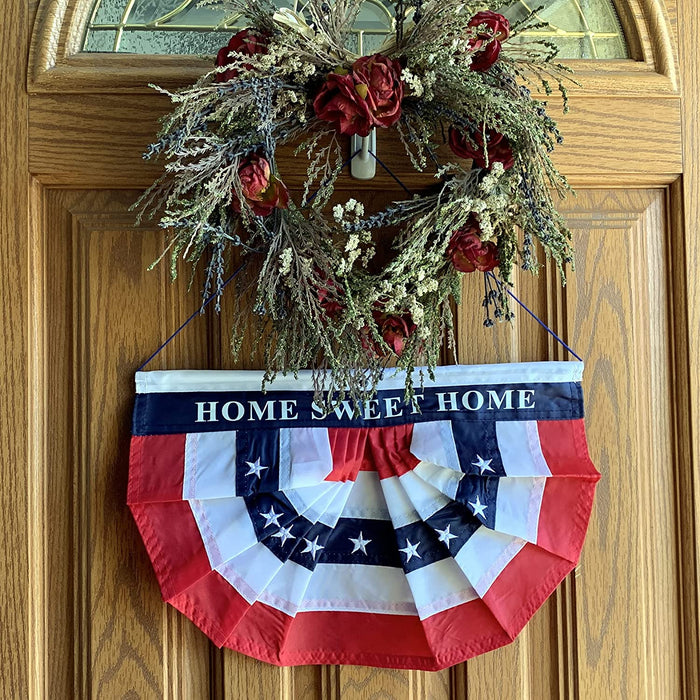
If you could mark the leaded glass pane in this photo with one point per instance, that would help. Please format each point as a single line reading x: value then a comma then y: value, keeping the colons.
x: 108, y: 12
x: 100, y: 40
x: 580, y: 28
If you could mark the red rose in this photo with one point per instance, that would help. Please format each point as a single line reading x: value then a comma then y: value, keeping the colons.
x: 339, y: 102
x: 468, y: 252
x: 497, y: 147
x: 262, y: 191
x: 382, y: 76
x: 369, y: 95
x: 395, y: 330
x: 247, y: 42
x: 492, y: 29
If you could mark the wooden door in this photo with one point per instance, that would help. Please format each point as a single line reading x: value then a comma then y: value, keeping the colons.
x: 81, y: 611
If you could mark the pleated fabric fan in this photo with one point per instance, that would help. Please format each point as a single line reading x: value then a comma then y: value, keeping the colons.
x: 406, y: 537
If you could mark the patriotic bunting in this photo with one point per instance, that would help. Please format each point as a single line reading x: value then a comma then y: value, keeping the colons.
x: 405, y: 536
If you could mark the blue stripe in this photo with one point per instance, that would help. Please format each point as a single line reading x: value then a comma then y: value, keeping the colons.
x: 191, y: 412
x: 477, y: 439
x: 384, y: 542
x: 253, y: 446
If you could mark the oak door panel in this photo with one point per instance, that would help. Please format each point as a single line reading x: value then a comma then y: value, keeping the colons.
x: 613, y: 625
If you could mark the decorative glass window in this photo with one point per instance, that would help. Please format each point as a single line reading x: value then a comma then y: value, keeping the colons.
x: 580, y: 28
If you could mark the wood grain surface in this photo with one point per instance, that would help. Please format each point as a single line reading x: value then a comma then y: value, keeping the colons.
x: 628, y: 572
x: 80, y: 610
x: 685, y: 251
x: 615, y: 624
x: 15, y: 486
x: 73, y: 143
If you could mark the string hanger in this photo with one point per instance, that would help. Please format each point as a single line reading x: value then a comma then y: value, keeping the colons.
x: 235, y: 273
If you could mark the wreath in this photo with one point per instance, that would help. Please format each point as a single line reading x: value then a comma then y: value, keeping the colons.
x: 451, y: 73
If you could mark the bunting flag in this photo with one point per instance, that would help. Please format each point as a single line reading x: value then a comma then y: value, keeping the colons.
x: 408, y: 536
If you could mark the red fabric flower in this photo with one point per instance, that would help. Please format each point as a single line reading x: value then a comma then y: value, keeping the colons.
x: 468, y: 252
x: 247, y: 42
x: 382, y: 76
x: 486, y: 45
x: 339, y: 102
x: 498, y: 147
x: 369, y: 95
x: 395, y: 330
x: 261, y: 189
x: 328, y: 297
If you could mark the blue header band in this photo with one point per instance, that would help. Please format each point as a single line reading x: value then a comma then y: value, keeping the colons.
x: 210, y: 411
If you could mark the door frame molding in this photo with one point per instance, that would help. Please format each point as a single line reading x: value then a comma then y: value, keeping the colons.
x: 56, y: 64
x: 685, y: 212
x: 15, y: 346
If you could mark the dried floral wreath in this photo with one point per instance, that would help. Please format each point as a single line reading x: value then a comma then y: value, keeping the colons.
x: 448, y: 72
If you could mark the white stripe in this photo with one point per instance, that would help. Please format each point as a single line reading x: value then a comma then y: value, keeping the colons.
x: 311, y: 501
x: 426, y: 499
x: 164, y: 381
x: 291, y: 588
x: 210, y: 465
x: 518, y: 506
x: 305, y: 457
x: 401, y: 509
x: 366, y: 498
x: 286, y: 589
x: 434, y: 442
x: 323, y: 503
x: 335, y: 508
x: 521, y: 452
x: 439, y: 586
x: 444, y: 479
x: 225, y: 527
x: 251, y: 572
x: 359, y: 588
x: 484, y: 555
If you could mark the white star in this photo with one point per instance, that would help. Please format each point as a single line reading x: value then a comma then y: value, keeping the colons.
x: 483, y: 464
x: 410, y: 550
x: 255, y: 468
x: 312, y: 547
x: 271, y: 518
x: 446, y: 535
x: 359, y: 544
x: 479, y: 507
x: 285, y: 533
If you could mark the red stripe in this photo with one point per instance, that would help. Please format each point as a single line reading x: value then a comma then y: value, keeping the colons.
x: 463, y: 632
x: 172, y: 539
x: 213, y: 605
x: 391, y: 450
x: 327, y: 634
x: 370, y: 639
x: 184, y: 572
x: 156, y: 467
x: 348, y: 450
x: 565, y: 448
x: 568, y: 496
x: 386, y: 450
x: 521, y: 588
x: 564, y: 514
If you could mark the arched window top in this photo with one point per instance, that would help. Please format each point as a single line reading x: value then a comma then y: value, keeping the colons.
x: 580, y: 28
